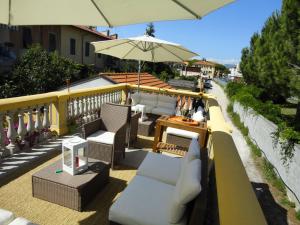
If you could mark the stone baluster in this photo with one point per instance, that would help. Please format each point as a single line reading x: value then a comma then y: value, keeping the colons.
x: 76, y: 112
x: 38, y: 123
x: 21, y: 127
x: 71, y: 108
x: 92, y: 107
x: 85, y: 110
x: 89, y: 108
x: 81, y: 109
x: 46, y: 122
x: 11, y: 134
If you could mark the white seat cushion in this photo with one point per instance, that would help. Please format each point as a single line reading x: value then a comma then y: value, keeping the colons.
x: 166, y: 102
x: 148, y: 99
x: 144, y: 201
x: 102, y: 136
x: 6, y: 217
x: 21, y: 221
x: 161, y: 167
x: 182, y: 133
x: 163, y: 111
x: 187, y: 188
x: 147, y: 108
x: 136, y: 98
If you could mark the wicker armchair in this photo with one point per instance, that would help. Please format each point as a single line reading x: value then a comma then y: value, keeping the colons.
x: 106, y: 136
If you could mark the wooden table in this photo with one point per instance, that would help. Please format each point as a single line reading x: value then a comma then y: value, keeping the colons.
x: 163, y: 121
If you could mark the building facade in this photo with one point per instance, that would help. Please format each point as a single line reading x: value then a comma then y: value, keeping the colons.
x: 72, y: 42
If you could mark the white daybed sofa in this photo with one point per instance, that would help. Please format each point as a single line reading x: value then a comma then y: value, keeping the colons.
x: 162, y: 190
x: 155, y: 104
x: 8, y: 218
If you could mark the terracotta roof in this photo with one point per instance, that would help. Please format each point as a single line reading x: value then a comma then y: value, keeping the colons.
x: 93, y: 32
x: 206, y: 63
x: 132, y: 78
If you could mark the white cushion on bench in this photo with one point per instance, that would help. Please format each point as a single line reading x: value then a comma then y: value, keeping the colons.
x: 163, y: 111
x: 6, y: 217
x: 144, y: 201
x: 161, y: 167
x: 181, y: 133
x: 102, y: 136
x: 21, y: 221
x: 187, y: 188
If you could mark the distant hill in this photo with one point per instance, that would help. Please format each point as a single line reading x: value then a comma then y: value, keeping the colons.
x: 229, y: 66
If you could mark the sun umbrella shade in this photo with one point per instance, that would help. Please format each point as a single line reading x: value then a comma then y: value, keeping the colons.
x: 144, y: 48
x: 102, y: 12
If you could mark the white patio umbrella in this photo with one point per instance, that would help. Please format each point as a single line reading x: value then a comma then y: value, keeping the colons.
x: 144, y: 48
x: 102, y: 12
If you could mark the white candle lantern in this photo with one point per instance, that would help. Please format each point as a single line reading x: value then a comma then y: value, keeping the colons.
x: 74, y: 157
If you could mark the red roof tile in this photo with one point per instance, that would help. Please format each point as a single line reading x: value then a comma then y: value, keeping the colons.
x: 132, y: 78
x: 93, y: 32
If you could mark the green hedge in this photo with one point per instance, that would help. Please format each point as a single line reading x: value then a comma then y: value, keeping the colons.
x: 250, y: 96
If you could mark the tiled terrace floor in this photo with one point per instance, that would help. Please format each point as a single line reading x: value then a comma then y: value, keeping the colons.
x: 16, y: 187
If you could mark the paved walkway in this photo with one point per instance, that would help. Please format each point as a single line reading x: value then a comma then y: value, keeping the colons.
x: 244, y: 151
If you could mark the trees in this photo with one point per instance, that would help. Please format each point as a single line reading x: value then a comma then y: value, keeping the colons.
x: 267, y: 62
x: 150, y: 30
x: 37, y: 71
x: 222, y: 69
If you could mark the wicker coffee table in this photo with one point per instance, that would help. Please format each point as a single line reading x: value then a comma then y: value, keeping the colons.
x: 73, y: 192
x: 146, y: 127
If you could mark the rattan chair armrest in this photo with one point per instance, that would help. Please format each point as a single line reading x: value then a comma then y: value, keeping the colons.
x: 91, y: 127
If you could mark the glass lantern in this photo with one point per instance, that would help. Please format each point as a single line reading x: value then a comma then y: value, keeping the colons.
x: 74, y: 159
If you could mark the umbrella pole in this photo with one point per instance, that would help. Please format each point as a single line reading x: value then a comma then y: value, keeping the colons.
x: 139, y: 73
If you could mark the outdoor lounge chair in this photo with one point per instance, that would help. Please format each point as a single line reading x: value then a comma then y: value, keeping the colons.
x: 165, y: 191
x: 106, y: 136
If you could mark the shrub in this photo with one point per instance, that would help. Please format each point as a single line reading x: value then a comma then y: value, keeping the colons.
x: 38, y: 71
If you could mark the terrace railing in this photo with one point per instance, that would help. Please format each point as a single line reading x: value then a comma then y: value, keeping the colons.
x: 29, y: 119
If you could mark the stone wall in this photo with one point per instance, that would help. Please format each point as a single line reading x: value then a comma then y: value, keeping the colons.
x: 260, y: 131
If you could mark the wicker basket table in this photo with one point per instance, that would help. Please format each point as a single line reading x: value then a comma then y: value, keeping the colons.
x: 73, y: 192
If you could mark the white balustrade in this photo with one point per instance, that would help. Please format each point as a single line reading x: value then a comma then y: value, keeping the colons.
x: 46, y: 123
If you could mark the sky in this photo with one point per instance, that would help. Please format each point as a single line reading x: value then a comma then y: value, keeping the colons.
x: 219, y: 36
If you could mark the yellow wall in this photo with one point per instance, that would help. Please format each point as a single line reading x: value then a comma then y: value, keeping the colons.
x: 81, y: 37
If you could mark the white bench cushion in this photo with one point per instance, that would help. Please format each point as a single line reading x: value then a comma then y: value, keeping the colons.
x: 182, y: 133
x: 6, y: 217
x: 136, y: 98
x: 145, y: 201
x: 21, y: 221
x: 148, y: 99
x: 166, y: 102
x: 161, y: 167
x: 102, y: 136
x: 163, y: 111
x: 187, y: 188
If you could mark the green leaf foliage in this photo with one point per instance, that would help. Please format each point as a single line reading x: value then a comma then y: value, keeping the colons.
x: 38, y: 71
x: 267, y: 62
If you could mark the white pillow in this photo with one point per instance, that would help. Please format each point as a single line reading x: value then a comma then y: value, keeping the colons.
x: 193, y: 153
x: 188, y: 186
x: 166, y: 102
x: 136, y: 98
x: 198, y: 116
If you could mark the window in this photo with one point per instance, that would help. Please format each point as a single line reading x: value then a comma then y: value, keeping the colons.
x: 27, y: 38
x: 87, y: 49
x: 52, y: 42
x: 72, y: 46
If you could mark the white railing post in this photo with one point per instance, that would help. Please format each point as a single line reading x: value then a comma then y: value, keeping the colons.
x: 11, y: 133
x: 46, y: 122
x: 38, y: 124
x: 21, y: 127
